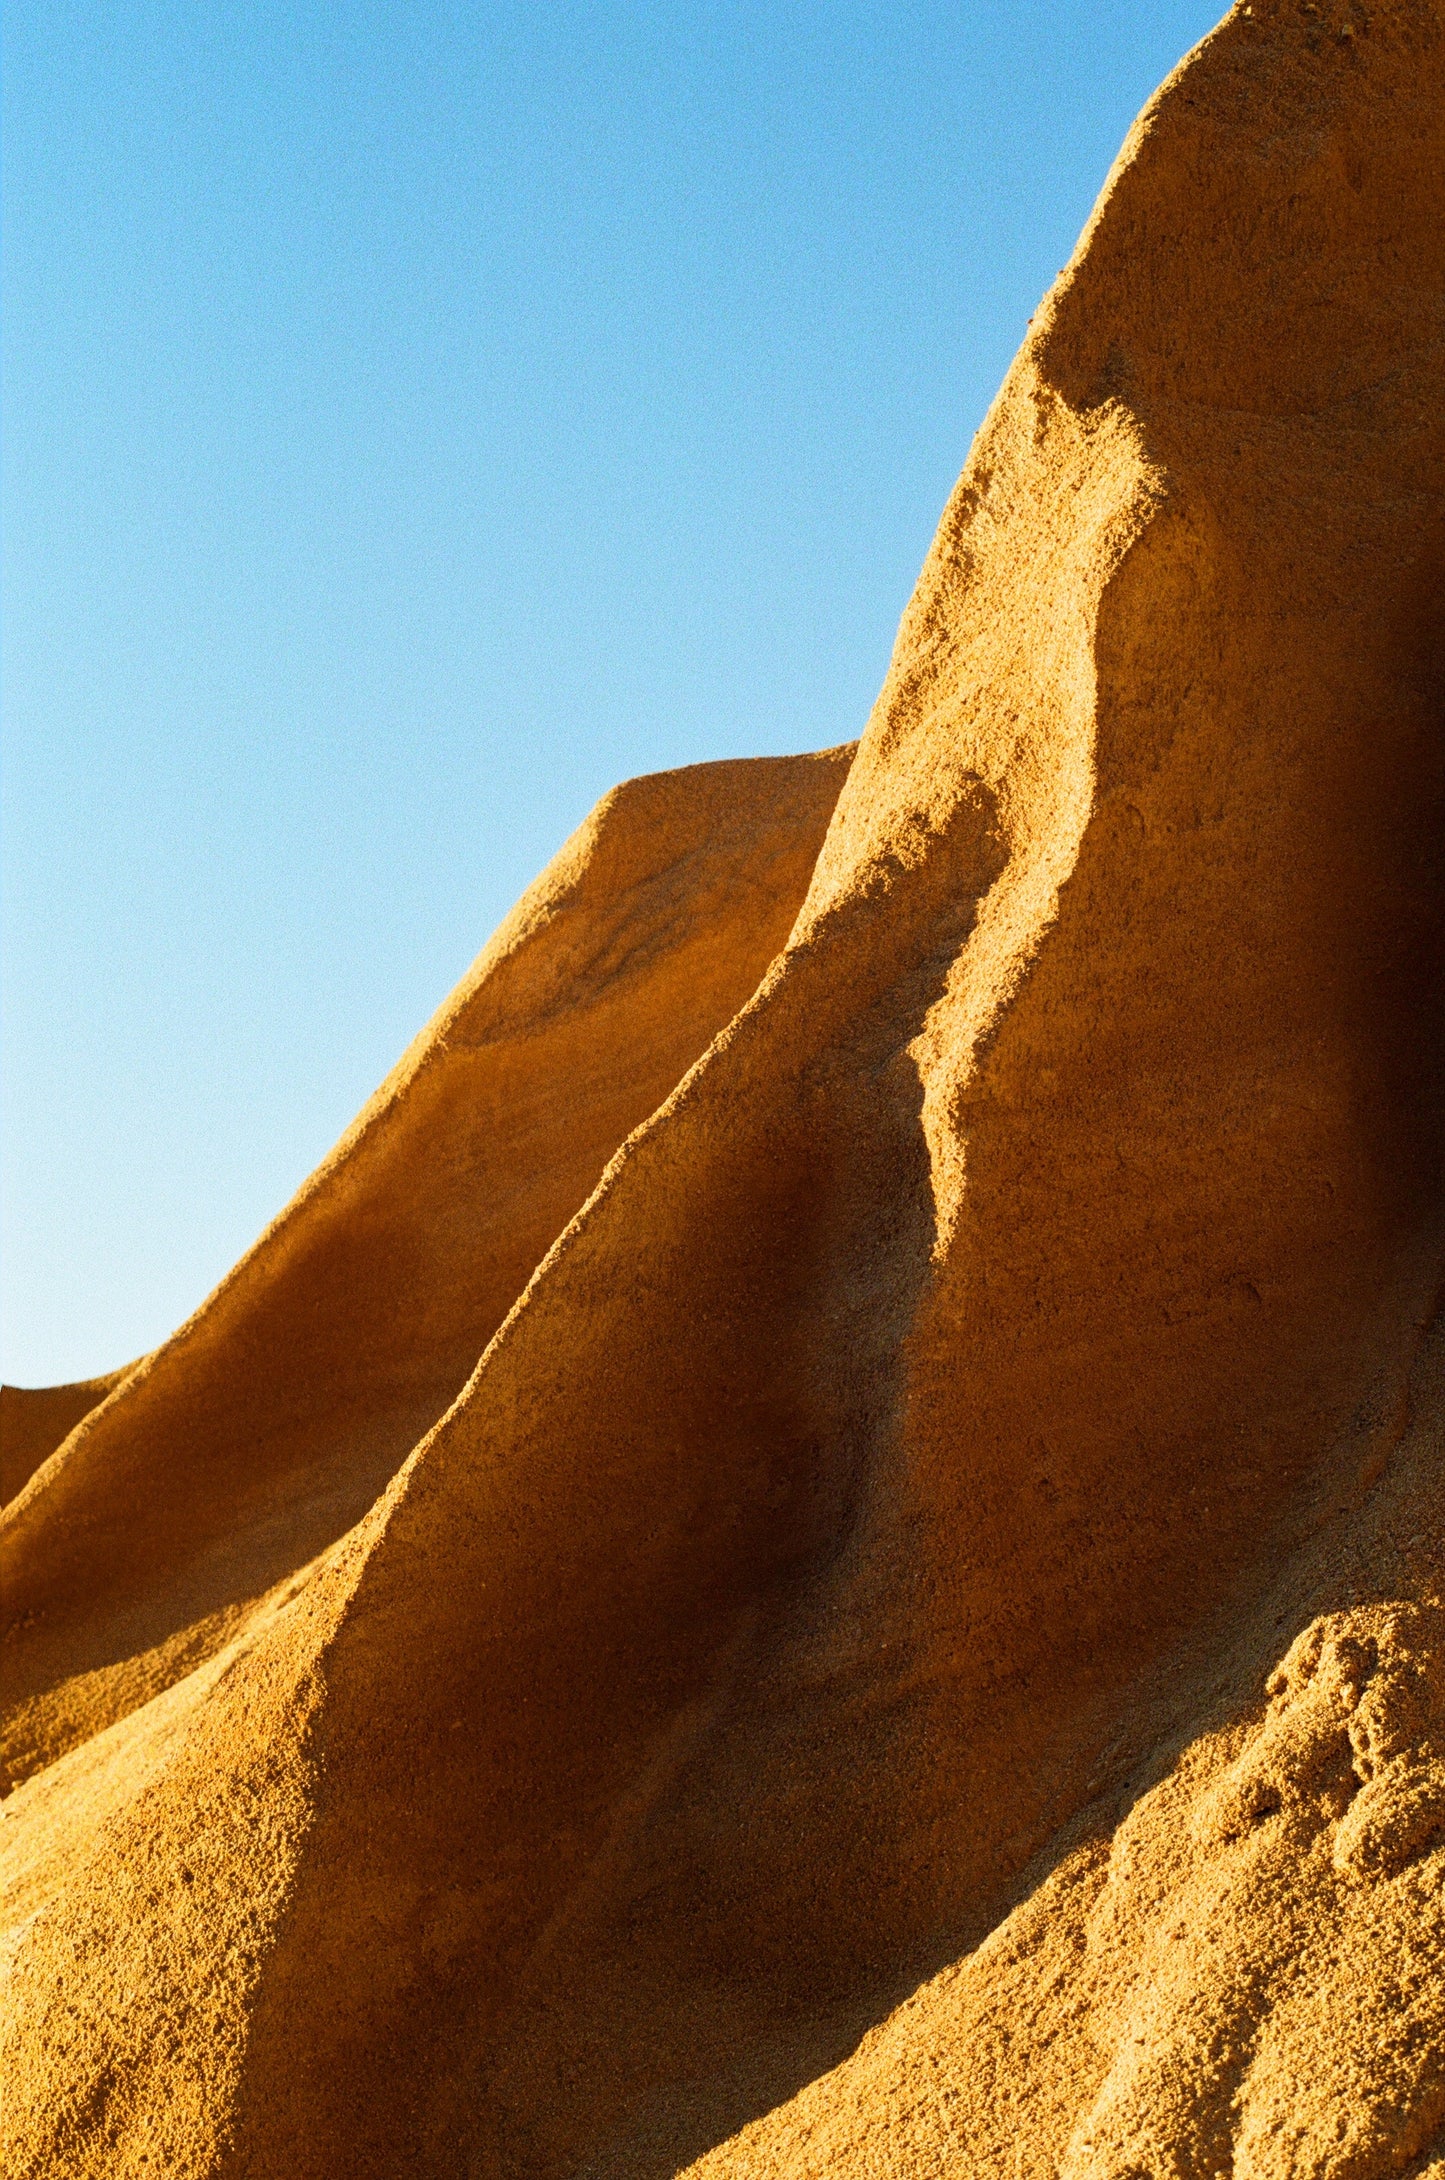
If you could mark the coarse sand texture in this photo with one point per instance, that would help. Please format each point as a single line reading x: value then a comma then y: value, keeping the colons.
x: 818, y: 1549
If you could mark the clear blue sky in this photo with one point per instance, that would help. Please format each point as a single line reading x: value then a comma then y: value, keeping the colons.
x: 417, y: 418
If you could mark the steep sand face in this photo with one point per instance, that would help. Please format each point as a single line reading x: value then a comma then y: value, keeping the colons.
x: 1232, y: 1959
x: 271, y: 1420
x: 919, y: 1648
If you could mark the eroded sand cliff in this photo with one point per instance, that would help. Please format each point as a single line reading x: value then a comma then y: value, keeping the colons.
x: 818, y: 1547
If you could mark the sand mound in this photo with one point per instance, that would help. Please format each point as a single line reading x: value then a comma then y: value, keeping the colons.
x: 35, y: 1419
x: 919, y: 1647
x: 267, y: 1426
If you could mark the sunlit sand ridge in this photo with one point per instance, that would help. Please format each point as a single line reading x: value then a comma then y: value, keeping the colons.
x: 817, y: 1549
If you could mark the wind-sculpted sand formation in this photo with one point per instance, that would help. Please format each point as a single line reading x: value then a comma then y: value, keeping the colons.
x: 817, y: 1549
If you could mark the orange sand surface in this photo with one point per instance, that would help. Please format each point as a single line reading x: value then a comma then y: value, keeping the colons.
x: 818, y: 1549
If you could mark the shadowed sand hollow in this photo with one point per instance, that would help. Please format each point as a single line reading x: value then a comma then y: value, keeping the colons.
x: 817, y: 1549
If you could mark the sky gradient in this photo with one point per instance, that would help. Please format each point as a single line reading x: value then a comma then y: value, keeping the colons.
x: 419, y: 417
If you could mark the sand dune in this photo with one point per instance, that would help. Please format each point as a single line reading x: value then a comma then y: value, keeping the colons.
x: 34, y: 1420
x: 818, y: 1547
x: 267, y: 1426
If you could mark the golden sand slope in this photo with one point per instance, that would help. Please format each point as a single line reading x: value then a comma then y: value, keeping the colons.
x: 260, y: 1433
x: 35, y: 1419
x: 919, y: 1648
